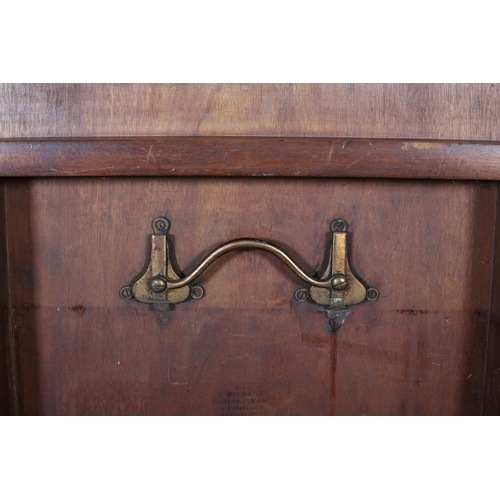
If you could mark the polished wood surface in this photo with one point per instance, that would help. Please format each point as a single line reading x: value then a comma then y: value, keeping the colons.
x: 247, y: 347
x: 405, y: 111
x: 250, y: 157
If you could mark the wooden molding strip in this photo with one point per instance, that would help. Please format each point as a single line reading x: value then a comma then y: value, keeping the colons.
x: 235, y: 156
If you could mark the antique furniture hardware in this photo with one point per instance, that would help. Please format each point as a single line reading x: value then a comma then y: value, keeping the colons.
x: 163, y: 285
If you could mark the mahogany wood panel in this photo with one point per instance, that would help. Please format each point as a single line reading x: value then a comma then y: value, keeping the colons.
x: 492, y: 366
x: 247, y: 346
x: 416, y: 111
x: 251, y: 157
x: 5, y: 369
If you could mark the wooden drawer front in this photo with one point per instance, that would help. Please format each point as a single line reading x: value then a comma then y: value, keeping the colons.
x: 248, y: 347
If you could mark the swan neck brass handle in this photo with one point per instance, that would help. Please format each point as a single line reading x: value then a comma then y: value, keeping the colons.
x: 248, y: 244
x: 162, y: 284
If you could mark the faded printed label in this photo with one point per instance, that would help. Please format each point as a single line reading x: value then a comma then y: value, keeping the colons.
x: 241, y: 402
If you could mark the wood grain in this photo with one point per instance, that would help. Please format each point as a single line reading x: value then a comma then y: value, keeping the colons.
x: 22, y: 335
x: 245, y: 157
x: 492, y: 362
x: 6, y: 369
x: 406, y: 111
x: 247, y: 347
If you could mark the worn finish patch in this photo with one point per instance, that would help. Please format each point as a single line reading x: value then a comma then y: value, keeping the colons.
x: 336, y: 318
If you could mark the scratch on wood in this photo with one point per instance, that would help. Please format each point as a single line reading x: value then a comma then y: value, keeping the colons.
x: 362, y: 157
x: 149, y: 153
x: 207, y: 357
x: 330, y: 154
x: 436, y: 362
x: 100, y: 169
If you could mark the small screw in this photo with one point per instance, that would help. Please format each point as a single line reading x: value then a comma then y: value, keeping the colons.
x: 301, y: 294
x: 339, y: 281
x: 339, y: 226
x: 158, y: 285
x: 197, y: 292
x: 160, y: 225
x: 126, y: 293
x: 372, y: 294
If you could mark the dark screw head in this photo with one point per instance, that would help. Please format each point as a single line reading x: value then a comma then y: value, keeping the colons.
x: 339, y: 226
x: 126, y: 293
x: 160, y: 225
x: 301, y: 294
x: 197, y: 292
x: 372, y: 294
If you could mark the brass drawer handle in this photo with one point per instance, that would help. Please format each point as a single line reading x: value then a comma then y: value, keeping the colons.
x: 246, y: 244
x: 162, y: 285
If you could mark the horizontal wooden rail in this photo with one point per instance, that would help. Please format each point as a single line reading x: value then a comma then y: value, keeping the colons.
x: 237, y: 156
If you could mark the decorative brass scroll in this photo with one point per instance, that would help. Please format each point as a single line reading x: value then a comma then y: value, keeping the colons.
x: 162, y: 285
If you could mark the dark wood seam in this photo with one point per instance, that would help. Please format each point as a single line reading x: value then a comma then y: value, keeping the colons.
x: 492, y: 278
x: 11, y: 341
